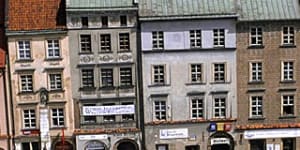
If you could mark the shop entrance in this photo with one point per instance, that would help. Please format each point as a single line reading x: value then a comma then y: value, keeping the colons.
x: 221, y: 141
x: 220, y: 147
x: 127, y: 145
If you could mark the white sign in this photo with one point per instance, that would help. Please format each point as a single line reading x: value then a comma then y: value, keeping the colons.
x: 173, y: 133
x: 44, y: 124
x: 216, y: 141
x: 271, y: 133
x: 108, y: 110
x: 93, y: 137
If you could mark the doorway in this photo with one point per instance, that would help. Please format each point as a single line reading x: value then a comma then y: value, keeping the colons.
x: 220, y: 147
x: 126, y: 146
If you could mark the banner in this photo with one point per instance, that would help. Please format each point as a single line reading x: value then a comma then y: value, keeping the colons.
x: 108, y: 110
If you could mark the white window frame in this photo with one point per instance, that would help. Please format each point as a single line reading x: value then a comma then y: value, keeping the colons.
x: 288, y: 70
x: 160, y: 109
x: 107, y: 77
x: 256, y: 33
x: 53, y: 48
x: 24, y: 49
x: 124, y: 41
x: 289, y: 37
x: 195, y: 38
x: 219, y: 37
x: 256, y: 103
x: 158, y: 74
x: 196, y: 73
x: 218, y: 107
x: 256, y: 71
x: 85, y: 43
x: 58, y: 114
x: 90, y: 80
x: 219, y: 72
x: 289, y: 102
x: 55, y: 83
x: 105, y: 43
x: 157, y: 39
x: 32, y: 116
x: 125, y: 76
x: 26, y: 83
x: 197, y: 110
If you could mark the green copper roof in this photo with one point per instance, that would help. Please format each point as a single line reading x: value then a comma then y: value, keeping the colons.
x: 98, y: 4
x: 169, y: 8
x: 252, y: 10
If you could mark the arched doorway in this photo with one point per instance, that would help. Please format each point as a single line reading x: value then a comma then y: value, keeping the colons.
x: 127, y: 145
x: 63, y: 146
x: 95, y: 145
x: 221, y: 141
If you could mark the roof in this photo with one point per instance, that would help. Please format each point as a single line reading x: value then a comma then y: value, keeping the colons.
x: 169, y: 8
x: 254, y: 10
x: 24, y: 15
x: 99, y: 4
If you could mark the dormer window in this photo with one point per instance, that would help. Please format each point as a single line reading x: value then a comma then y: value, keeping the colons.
x: 123, y: 20
x: 84, y: 22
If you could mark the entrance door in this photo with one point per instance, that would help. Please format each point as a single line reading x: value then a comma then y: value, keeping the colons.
x: 220, y: 147
x: 127, y: 146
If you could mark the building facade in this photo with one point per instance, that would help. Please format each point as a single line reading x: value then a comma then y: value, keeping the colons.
x: 102, y: 37
x: 189, y: 75
x: 40, y: 75
x: 267, y: 75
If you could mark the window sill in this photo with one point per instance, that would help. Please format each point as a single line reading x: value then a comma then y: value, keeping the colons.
x: 158, y: 85
x: 24, y: 60
x: 84, y: 53
x: 87, y: 88
x: 107, y: 88
x: 287, y: 117
x: 54, y: 59
x: 256, y: 118
x: 195, y: 83
x: 58, y: 128
x: 221, y: 82
x: 124, y: 51
x: 256, y: 46
x: 25, y: 92
x: 288, y: 81
x: 256, y: 82
x: 219, y: 47
x: 105, y: 52
x: 287, y: 46
x: 56, y: 91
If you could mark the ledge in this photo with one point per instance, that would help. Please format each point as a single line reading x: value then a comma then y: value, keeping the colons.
x: 253, y: 126
x: 164, y: 122
x: 287, y: 46
x: 256, y: 90
x: 256, y: 46
x: 287, y: 117
x: 287, y: 81
x: 24, y: 60
x: 53, y: 59
x: 256, y: 118
x: 256, y: 82
x: 158, y: 85
x: 87, y: 88
x: 105, y: 131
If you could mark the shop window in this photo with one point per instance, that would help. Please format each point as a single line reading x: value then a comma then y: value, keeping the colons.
x: 288, y: 144
x: 258, y: 145
x: 162, y: 147
x: 192, y: 147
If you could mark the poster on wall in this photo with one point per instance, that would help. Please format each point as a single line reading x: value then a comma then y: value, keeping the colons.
x: 108, y: 110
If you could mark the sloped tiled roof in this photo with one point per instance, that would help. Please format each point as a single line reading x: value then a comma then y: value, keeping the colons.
x: 35, y: 15
x: 169, y: 8
x: 98, y: 4
x: 254, y: 10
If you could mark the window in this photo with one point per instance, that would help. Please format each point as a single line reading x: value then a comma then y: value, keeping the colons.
x: 196, y: 73
x: 107, y: 77
x: 219, y: 37
x: 87, y: 76
x: 104, y: 21
x: 24, y: 49
x: 58, y: 117
x: 55, y: 81
x: 30, y: 146
x: 219, y: 107
x: 162, y: 147
x: 124, y: 41
x: 26, y: 83
x: 125, y: 77
x: 85, y: 22
x: 160, y: 110
x: 53, y: 49
x: 158, y: 40
x: 105, y: 43
x: 255, y: 71
x: 289, y: 144
x: 127, y: 117
x: 192, y: 147
x: 288, y: 36
x: 123, y: 20
x: 257, y: 144
x: 219, y: 72
x: 109, y: 118
x: 85, y: 42
x: 197, y: 107
x: 287, y: 105
x: 256, y: 106
x: 288, y: 71
x: 158, y: 74
x: 89, y: 119
x: 195, y: 38
x: 256, y: 36
x: 29, y: 118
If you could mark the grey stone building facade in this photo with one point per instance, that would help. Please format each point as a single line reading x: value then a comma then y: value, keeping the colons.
x: 102, y: 37
x: 189, y: 74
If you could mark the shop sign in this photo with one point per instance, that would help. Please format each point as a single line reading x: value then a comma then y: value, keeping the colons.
x: 271, y: 133
x: 173, y: 133
x: 219, y: 127
x: 30, y: 132
x: 216, y: 141
x: 108, y: 110
x: 93, y: 137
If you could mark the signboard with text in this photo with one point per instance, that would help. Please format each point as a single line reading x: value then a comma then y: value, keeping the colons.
x: 108, y: 110
x: 173, y: 133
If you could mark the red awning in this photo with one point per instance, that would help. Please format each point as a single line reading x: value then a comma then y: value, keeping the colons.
x: 2, y: 58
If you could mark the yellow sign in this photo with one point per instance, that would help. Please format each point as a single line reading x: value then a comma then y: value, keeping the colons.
x: 220, y: 126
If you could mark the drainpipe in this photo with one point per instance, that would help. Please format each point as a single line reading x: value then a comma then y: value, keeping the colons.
x: 6, y: 107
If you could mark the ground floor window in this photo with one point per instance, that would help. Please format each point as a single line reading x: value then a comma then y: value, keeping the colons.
x: 162, y: 147
x: 289, y: 144
x: 30, y: 146
x: 192, y: 147
x: 258, y: 145
x: 95, y: 145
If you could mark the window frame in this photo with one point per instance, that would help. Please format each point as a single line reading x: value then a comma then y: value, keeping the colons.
x: 195, y: 38
x: 105, y: 43
x: 31, y: 118
x: 160, y: 113
x: 157, y: 40
x: 291, y: 36
x: 57, y: 117
x: 56, y: 83
x: 255, y: 71
x: 258, y: 37
x: 288, y: 72
x: 124, y: 42
x: 107, y: 77
x: 199, y: 110
x: 85, y: 43
x: 289, y: 104
x: 24, y: 50
x: 130, y: 117
x: 220, y: 107
x: 126, y: 79
x: 198, y: 74
x: 218, y: 38
x: 257, y: 106
x: 161, y: 75
x: 91, y: 79
x: 56, y: 51
x: 219, y: 73
x: 109, y: 116
x: 84, y: 121
x: 293, y: 145
x: 27, y: 85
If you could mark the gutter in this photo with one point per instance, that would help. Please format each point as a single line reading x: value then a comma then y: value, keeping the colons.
x: 177, y: 17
